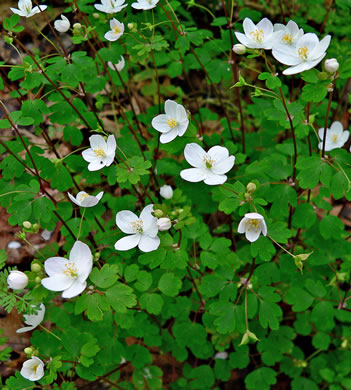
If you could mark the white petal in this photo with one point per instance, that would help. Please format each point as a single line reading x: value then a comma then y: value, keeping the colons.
x: 124, y: 220
x: 337, y: 127
x: 148, y: 244
x: 292, y: 27
x: 224, y: 166
x: 218, y: 153
x: 127, y: 242
x: 99, y: 195
x: 265, y: 25
x: 264, y: 228
x: 76, y: 288
x: 309, y: 40
x: 171, y: 108
x: 89, y: 155
x: 55, y: 265
x: 81, y: 256
x: 111, y: 36
x: 160, y: 123
x: 344, y: 137
x: 252, y: 235
x: 254, y: 216
x: 182, y: 127
x: 321, y: 133
x: 297, y: 69
x: 286, y: 56
x: 111, y: 145
x: 25, y: 329
x: 213, y: 179
x: 96, y: 165
x: 194, y: 155
x: 248, y: 26
x: 320, y: 48
x: 108, y: 160
x: 58, y: 282
x: 35, y: 319
x: 169, y: 136
x: 149, y: 221
x: 193, y: 175
x: 90, y: 201
x: 18, y: 12
x: 97, y: 142
x: 242, y: 38
x: 180, y: 113
x: 73, y: 199
x: 242, y: 225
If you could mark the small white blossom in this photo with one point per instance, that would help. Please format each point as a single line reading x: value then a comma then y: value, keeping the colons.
x: 110, y: 6
x: 331, y: 65
x: 308, y: 53
x: 221, y: 355
x: 336, y: 137
x: 164, y: 224
x: 171, y: 124
x: 33, y: 369
x: 259, y: 36
x: 145, y: 4
x: 26, y: 8
x: 62, y: 25
x: 101, y: 153
x: 209, y: 167
x: 14, y: 245
x: 85, y: 200
x: 70, y: 275
x: 253, y: 224
x: 290, y: 33
x: 142, y: 231
x: 119, y: 66
x: 239, y: 49
x: 117, y: 30
x: 17, y: 280
x: 33, y: 320
x: 166, y: 191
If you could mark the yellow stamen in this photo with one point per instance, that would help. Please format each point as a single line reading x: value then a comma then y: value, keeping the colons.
x: 287, y: 38
x: 137, y: 226
x: 83, y: 196
x: 116, y: 30
x: 258, y: 35
x: 303, y: 53
x: 71, y: 270
x: 99, y: 152
x: 208, y: 161
x: 172, y: 123
x: 334, y: 137
x: 254, y: 224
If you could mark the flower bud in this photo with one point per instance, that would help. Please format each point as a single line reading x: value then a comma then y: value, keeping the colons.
x: 331, y: 65
x: 323, y: 76
x: 35, y: 267
x: 77, y: 26
x: 28, y: 351
x: 17, y: 280
x: 158, y: 213
x: 247, y: 196
x: 239, y: 49
x: 251, y: 187
x: 249, y: 337
x: 166, y: 192
x: 37, y: 280
x: 62, y: 25
x: 35, y: 228
x: 164, y: 224
x: 27, y: 224
x: 130, y: 26
x: 96, y: 15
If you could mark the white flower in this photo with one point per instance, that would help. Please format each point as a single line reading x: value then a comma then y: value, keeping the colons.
x: 164, y: 224
x: 308, y: 53
x: 239, y: 49
x: 33, y: 320
x: 26, y: 8
x: 143, y: 230
x: 331, y: 65
x: 209, y: 167
x: 62, y: 25
x: 221, y: 355
x: 117, y: 30
x: 253, y: 224
x: 290, y: 33
x: 85, y: 200
x: 259, y: 36
x: 70, y: 275
x: 145, y: 4
x: 100, y: 153
x: 110, y: 6
x: 33, y: 369
x: 166, y: 192
x: 174, y: 122
x: 17, y: 280
x: 336, y: 137
x: 119, y: 66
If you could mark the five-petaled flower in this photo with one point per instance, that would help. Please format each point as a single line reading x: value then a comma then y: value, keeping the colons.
x: 62, y: 25
x: 101, y: 153
x: 145, y: 4
x: 119, y: 66
x: 85, y: 200
x: 307, y: 53
x: 26, y: 8
x: 69, y: 275
x: 117, y: 30
x: 253, y: 224
x: 33, y: 320
x: 209, y: 167
x: 33, y: 369
x: 142, y: 231
x: 174, y: 122
x: 259, y: 36
x: 290, y: 33
x: 335, y: 138
x: 110, y: 6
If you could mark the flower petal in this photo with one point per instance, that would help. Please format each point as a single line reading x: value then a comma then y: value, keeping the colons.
x: 194, y: 155
x: 223, y: 166
x: 171, y: 108
x: 89, y: 155
x: 124, y: 220
x: 148, y: 244
x: 321, y: 48
x: 73, y: 199
x: 97, y: 141
x: 128, y: 242
x: 242, y: 38
x: 58, y: 282
x: 242, y: 225
x: 252, y: 234
x: 96, y: 165
x: 81, y: 256
x: 55, y: 265
x: 193, y: 175
x: 169, y: 136
x: 149, y: 221
x: 212, y: 179
x: 286, y: 55
x: 298, y: 68
x: 309, y: 40
x: 111, y: 145
x: 337, y: 127
x: 76, y: 288
x: 160, y: 123
x: 182, y: 127
x: 265, y: 25
x: 248, y: 26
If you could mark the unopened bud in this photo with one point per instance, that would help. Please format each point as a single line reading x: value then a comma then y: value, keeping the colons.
x: 130, y: 26
x: 28, y: 351
x: 97, y: 256
x: 331, y: 65
x: 166, y: 192
x: 247, y: 196
x: 27, y: 224
x: 251, y: 187
x: 77, y: 26
x: 17, y: 280
x: 239, y: 49
x: 96, y: 15
x: 323, y: 76
x: 37, y: 280
x: 35, y: 267
x: 35, y: 228
x: 249, y: 337
x: 158, y: 213
x: 164, y: 224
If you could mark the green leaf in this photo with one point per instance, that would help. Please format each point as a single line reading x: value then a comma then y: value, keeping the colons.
x: 269, y: 313
x: 104, y: 277
x: 202, y: 376
x: 331, y: 227
x: 121, y: 297
x: 299, y: 298
x: 169, y: 284
x: 153, y: 303
x: 261, y: 378
x: 314, y: 92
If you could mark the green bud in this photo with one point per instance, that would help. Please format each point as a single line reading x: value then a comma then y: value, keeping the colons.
x: 300, y: 363
x: 323, y: 76
x: 345, y: 344
x: 36, y: 228
x: 21, y: 235
x: 97, y: 256
x: 37, y: 280
x: 158, y: 213
x: 8, y: 40
x: 249, y: 337
x: 77, y: 26
x: 247, y: 196
x: 251, y: 187
x: 27, y: 225
x: 96, y: 15
x: 35, y: 267
x: 311, y: 119
x: 28, y: 351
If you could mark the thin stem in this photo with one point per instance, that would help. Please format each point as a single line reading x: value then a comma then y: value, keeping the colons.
x: 48, y: 331
x: 81, y: 220
x: 326, y: 121
x: 281, y: 247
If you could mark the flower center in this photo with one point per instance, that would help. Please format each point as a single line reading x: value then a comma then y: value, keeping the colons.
x: 137, y: 226
x: 257, y: 35
x: 116, y: 30
x: 34, y: 368
x: 254, y: 224
x: 287, y: 38
x: 83, y: 196
x: 208, y: 161
x: 150, y: 1
x: 28, y: 9
x: 172, y: 123
x: 303, y: 53
x: 99, y: 152
x: 71, y: 270
x: 334, y: 138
